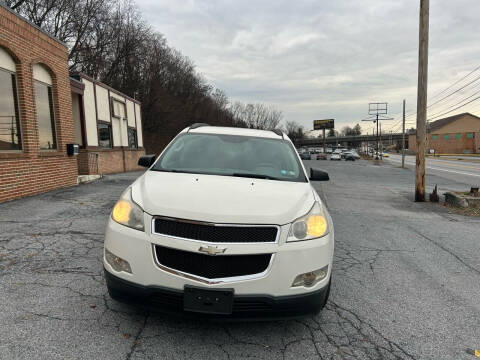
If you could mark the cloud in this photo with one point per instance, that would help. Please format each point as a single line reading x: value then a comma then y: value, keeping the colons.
x: 320, y: 59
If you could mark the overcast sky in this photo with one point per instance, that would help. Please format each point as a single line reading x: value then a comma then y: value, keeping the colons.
x: 316, y: 59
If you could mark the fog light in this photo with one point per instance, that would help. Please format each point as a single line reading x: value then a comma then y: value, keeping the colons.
x: 311, y: 278
x: 117, y: 263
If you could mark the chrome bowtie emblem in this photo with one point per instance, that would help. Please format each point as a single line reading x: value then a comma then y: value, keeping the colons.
x: 211, y: 250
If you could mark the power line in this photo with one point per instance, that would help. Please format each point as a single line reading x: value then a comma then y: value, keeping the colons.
x: 448, y: 87
x: 458, y: 103
x: 458, y: 107
x: 398, y: 123
x: 455, y: 83
x: 456, y: 91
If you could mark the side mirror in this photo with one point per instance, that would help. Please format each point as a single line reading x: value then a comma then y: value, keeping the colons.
x: 318, y: 175
x: 146, y: 160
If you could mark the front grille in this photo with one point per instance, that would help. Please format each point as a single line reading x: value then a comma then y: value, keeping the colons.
x: 212, y: 267
x: 215, y: 233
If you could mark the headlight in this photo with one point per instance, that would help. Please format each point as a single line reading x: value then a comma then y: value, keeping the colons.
x: 127, y: 213
x: 310, y: 226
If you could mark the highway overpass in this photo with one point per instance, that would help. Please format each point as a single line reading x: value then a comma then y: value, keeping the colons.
x: 387, y: 139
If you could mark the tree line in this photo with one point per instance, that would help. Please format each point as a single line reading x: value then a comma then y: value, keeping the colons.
x: 346, y: 131
x: 109, y: 41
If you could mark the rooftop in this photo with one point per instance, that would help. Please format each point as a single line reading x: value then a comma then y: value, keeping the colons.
x: 6, y: 7
x: 435, y: 125
x: 445, y: 121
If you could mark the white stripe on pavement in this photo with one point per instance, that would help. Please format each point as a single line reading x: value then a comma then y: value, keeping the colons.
x: 440, y: 169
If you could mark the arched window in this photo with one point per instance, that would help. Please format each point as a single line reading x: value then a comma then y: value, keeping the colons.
x: 47, y: 137
x: 10, y: 134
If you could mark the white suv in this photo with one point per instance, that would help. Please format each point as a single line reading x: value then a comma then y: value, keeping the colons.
x: 225, y: 223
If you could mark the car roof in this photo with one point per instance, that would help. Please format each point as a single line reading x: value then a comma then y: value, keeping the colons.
x: 234, y: 131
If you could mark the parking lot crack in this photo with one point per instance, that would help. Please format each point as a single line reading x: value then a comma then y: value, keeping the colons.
x: 136, y: 340
x: 366, y: 330
x: 436, y: 243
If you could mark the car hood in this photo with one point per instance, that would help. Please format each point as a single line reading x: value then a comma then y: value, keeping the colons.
x: 222, y: 199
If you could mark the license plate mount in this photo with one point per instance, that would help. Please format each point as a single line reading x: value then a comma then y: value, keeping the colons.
x: 208, y: 301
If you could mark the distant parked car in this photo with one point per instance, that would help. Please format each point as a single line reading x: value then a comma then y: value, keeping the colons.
x: 355, y: 155
x: 322, y: 156
x: 385, y: 154
x: 335, y: 157
x: 329, y: 150
x: 349, y: 157
x: 305, y: 156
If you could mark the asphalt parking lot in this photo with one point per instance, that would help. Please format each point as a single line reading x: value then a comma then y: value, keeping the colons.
x: 405, y: 282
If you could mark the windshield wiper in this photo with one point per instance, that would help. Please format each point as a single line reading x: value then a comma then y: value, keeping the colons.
x: 246, y: 175
x: 255, y: 176
x: 173, y: 170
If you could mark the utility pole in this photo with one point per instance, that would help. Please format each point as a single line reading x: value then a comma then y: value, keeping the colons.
x: 422, y: 101
x: 324, y: 143
x: 380, y: 137
x: 377, y: 109
x: 403, y: 136
x: 367, y: 143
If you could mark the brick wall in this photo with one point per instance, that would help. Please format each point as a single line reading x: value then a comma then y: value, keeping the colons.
x: 32, y: 171
x: 109, y: 161
x: 449, y: 146
x: 452, y: 145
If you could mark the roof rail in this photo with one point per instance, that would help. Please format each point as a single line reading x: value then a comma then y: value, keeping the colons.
x: 197, y: 125
x: 278, y: 132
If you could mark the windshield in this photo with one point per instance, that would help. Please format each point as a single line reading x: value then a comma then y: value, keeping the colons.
x: 232, y: 155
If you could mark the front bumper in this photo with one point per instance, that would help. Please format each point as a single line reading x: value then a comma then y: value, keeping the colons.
x: 290, y: 260
x: 162, y: 299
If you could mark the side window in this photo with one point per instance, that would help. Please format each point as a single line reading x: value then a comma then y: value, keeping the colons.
x: 47, y: 137
x: 10, y: 134
x: 435, y: 137
x: 469, y: 135
x: 132, y: 138
x: 118, y: 108
x: 105, y: 136
x: 45, y: 116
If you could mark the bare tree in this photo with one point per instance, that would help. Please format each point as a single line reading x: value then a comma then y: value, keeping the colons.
x: 109, y: 41
x: 256, y: 116
x: 294, y: 131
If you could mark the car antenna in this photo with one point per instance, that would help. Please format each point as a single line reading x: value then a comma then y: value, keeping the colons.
x: 278, y: 132
x: 197, y: 125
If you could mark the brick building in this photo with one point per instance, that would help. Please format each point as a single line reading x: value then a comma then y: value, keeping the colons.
x: 108, y: 127
x: 458, y: 134
x: 38, y: 104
